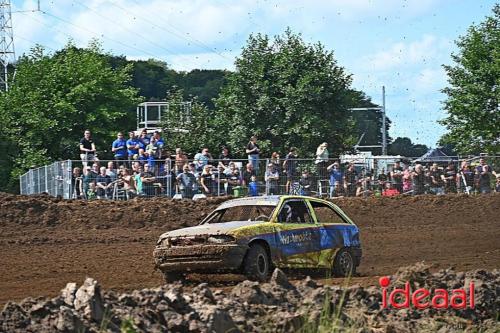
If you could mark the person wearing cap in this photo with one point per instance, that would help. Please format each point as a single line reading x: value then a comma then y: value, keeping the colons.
x: 271, y: 177
x: 322, y: 160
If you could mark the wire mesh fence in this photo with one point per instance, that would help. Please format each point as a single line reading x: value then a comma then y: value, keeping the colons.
x: 193, y: 179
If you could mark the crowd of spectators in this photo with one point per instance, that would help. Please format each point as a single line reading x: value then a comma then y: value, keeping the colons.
x: 141, y: 166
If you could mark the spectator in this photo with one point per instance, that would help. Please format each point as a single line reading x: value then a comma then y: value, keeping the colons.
x: 180, y: 160
x: 407, y: 179
x: 206, y: 180
x: 350, y: 180
x: 91, y: 191
x: 186, y: 181
x: 466, y: 178
x: 253, y: 187
x: 248, y: 173
x: 225, y: 157
x: 253, y: 152
x: 87, y: 179
x: 102, y: 184
x: 290, y: 167
x: 111, y: 171
x: 159, y: 145
x: 148, y: 180
x: 436, y: 185
x: 144, y: 139
x: 450, y: 179
x: 202, y: 159
x: 336, y: 177
x: 87, y: 149
x: 119, y: 149
x: 275, y: 160
x: 389, y: 190
x: 138, y: 180
x: 128, y: 182
x: 397, y: 176
x: 95, y: 169
x: 382, y: 179
x: 322, y: 160
x: 132, y: 146
x: 142, y: 156
x: 305, y: 182
x: 364, y: 186
x: 497, y: 185
x: 271, y: 177
x: 136, y: 167
x: 418, y: 177
x: 76, y: 183
x: 166, y: 178
x: 220, y: 181
x: 483, y: 173
x: 233, y: 179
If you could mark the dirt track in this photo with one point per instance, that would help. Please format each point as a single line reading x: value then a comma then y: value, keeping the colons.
x: 47, y: 242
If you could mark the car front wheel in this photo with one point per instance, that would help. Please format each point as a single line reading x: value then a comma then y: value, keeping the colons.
x: 344, y: 263
x: 256, y: 265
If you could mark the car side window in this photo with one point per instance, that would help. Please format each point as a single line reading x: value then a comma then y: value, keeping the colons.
x: 295, y: 211
x: 326, y: 214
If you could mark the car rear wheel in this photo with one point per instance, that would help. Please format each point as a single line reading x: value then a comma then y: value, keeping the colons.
x: 171, y: 277
x: 344, y: 263
x: 256, y: 265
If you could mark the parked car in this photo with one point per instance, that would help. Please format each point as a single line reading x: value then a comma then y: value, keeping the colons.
x: 253, y: 235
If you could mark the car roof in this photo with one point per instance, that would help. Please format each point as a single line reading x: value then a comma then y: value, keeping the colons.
x: 267, y: 200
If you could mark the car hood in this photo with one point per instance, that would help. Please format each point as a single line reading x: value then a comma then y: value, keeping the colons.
x: 209, y: 229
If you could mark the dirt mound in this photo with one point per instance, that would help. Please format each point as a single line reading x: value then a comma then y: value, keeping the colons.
x: 46, y: 241
x: 136, y: 213
x: 277, y: 306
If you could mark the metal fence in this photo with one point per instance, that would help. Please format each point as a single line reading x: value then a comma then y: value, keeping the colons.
x: 368, y: 176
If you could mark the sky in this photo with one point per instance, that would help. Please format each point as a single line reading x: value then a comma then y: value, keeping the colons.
x: 401, y: 45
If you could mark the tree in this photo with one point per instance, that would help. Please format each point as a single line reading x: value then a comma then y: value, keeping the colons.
x: 191, y: 130
x: 473, y: 102
x: 404, y: 147
x: 288, y: 93
x: 55, y: 97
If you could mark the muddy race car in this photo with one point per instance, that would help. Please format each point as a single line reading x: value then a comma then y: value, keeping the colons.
x: 253, y: 235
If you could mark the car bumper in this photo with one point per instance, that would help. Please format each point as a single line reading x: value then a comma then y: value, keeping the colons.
x: 201, y: 258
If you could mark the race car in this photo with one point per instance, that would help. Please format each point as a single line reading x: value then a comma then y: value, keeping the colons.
x: 252, y: 235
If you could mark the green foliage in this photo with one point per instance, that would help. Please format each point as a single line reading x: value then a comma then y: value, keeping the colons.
x: 288, y: 93
x: 404, y: 147
x: 54, y: 98
x: 473, y: 103
x: 189, y: 132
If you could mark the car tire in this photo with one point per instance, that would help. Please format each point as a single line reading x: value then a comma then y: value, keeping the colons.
x: 344, y: 264
x: 256, y: 265
x: 171, y: 277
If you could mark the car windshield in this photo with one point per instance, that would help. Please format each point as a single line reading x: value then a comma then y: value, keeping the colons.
x: 241, y: 213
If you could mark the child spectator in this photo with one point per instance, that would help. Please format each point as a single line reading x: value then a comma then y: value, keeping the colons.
x: 382, y: 179
x: 87, y: 179
x: 253, y: 187
x: 389, y: 190
x: 407, y: 179
x: 76, y: 183
x: 233, y: 180
x: 305, y: 182
x: 91, y: 191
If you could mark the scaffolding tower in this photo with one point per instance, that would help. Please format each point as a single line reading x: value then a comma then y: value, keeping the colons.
x: 7, y: 54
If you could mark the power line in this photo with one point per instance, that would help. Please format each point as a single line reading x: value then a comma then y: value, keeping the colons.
x: 96, y: 34
x: 134, y: 32
x: 32, y: 42
x: 179, y: 34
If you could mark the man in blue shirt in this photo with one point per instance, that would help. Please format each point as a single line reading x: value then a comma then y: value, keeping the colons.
x: 119, y: 149
x: 132, y: 146
x: 336, y: 177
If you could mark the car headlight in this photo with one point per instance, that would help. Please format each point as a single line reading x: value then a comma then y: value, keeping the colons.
x: 164, y: 242
x: 220, y: 239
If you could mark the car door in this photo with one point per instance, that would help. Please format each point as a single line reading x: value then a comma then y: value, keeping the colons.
x: 335, y: 232
x: 297, y: 235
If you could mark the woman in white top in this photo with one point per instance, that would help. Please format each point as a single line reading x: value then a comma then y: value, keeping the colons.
x: 322, y: 161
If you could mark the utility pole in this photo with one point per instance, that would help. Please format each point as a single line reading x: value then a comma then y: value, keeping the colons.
x: 384, y: 129
x: 7, y: 54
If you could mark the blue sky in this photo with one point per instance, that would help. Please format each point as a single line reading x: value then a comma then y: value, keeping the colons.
x: 399, y: 44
